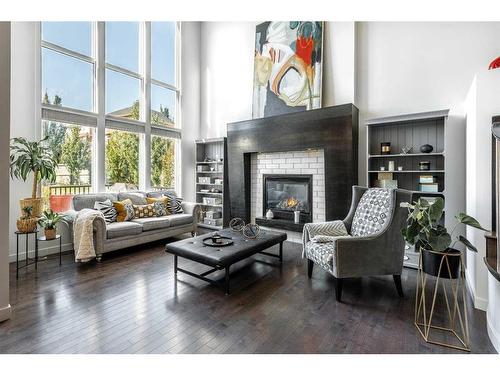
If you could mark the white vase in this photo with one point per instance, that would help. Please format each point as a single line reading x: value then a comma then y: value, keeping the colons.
x: 296, y: 216
x: 269, y: 214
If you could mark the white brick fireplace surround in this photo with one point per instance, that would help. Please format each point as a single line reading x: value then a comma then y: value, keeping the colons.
x: 310, y: 162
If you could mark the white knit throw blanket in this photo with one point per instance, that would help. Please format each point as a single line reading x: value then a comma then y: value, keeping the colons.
x: 83, y: 234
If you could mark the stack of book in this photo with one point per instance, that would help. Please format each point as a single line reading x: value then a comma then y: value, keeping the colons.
x: 386, y: 180
x: 428, y: 184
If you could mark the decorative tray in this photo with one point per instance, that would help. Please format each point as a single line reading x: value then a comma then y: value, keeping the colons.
x: 225, y: 241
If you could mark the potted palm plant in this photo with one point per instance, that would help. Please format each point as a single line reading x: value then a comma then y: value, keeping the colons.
x: 424, y: 229
x: 48, y: 221
x: 35, y: 158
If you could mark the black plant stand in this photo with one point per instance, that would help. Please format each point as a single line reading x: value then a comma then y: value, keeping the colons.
x: 26, y: 249
x: 57, y: 237
x: 29, y: 261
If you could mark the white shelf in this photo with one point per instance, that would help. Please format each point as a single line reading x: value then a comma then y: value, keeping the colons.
x: 407, y: 155
x: 210, y: 172
x: 199, y: 183
x: 209, y: 162
x: 210, y: 205
x: 208, y: 193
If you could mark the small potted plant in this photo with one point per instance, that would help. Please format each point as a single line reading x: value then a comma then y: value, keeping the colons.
x: 35, y: 158
x: 26, y: 223
x: 48, y: 221
x: 425, y: 231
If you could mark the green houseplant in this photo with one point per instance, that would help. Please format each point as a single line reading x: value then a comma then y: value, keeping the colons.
x: 48, y: 221
x: 35, y: 158
x: 425, y: 231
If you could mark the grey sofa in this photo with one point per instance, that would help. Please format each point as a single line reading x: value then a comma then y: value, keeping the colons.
x: 114, y: 236
x: 373, y: 244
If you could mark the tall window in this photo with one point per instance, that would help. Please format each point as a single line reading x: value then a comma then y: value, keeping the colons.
x: 138, y: 96
x: 162, y: 162
x: 163, y: 74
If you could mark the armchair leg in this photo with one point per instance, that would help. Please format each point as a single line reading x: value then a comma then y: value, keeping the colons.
x: 310, y: 265
x: 338, y: 288
x: 399, y: 287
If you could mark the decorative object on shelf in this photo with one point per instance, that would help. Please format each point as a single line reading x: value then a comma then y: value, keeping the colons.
x: 204, y: 180
x: 217, y: 241
x: 296, y: 217
x: 236, y: 224
x: 48, y: 221
x: 406, y: 149
x: 439, y: 259
x: 424, y: 165
x: 391, y: 166
x: 212, y: 169
x: 287, y: 67
x: 400, y: 168
x: 269, y: 214
x: 426, y: 179
x: 385, y: 148
x: 35, y: 158
x: 382, y: 168
x: 26, y: 223
x: 218, y: 181
x: 428, y: 188
x: 494, y: 64
x: 386, y: 184
x: 426, y: 149
x: 251, y: 231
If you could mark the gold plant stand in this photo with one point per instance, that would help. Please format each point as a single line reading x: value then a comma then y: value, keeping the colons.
x: 457, y: 314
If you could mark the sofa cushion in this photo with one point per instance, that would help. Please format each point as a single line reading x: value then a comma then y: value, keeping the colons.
x: 125, y: 228
x: 180, y: 219
x: 145, y: 210
x: 137, y: 197
x: 81, y: 201
x: 161, y: 193
x: 152, y: 223
x: 107, y: 209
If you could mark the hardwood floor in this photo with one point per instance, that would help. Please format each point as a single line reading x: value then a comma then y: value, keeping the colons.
x: 131, y: 303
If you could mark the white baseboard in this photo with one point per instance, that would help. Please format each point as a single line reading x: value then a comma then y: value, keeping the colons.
x: 493, y: 333
x: 5, y: 313
x: 41, y: 252
x: 479, y: 303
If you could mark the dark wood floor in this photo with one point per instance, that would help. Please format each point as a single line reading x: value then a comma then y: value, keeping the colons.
x: 131, y: 303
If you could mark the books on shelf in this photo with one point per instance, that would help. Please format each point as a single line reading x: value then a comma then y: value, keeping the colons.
x: 429, y: 188
x: 387, y: 184
x: 427, y: 179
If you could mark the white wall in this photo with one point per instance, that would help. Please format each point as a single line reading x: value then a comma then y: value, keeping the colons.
x: 481, y: 105
x: 4, y: 167
x: 25, y: 121
x: 227, y: 71
x: 190, y: 104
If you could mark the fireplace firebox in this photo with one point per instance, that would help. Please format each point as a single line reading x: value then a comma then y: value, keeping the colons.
x: 283, y: 194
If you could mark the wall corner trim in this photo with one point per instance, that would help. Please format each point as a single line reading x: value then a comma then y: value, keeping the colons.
x: 5, y: 313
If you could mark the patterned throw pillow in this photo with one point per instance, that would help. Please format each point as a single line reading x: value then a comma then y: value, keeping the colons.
x: 107, y: 209
x: 174, y: 204
x: 373, y: 212
x: 160, y: 205
x: 125, y: 210
x: 144, y: 210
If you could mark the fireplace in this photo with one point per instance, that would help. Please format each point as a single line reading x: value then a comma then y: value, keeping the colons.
x: 284, y: 193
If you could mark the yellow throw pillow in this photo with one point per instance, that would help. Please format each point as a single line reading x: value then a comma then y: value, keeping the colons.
x: 125, y: 210
x: 144, y: 210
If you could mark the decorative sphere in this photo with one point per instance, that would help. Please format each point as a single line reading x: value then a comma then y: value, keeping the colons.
x: 426, y: 148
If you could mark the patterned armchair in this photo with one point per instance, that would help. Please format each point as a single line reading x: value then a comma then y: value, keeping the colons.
x: 367, y: 242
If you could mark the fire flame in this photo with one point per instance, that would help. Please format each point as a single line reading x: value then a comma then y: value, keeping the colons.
x: 292, y: 202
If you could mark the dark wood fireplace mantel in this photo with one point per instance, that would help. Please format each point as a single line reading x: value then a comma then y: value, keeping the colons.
x: 332, y: 129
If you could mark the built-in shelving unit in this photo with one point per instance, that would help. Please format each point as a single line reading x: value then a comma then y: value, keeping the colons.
x: 211, y: 182
x: 447, y: 162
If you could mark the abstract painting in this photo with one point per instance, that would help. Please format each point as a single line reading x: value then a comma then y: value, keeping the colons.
x: 287, y: 67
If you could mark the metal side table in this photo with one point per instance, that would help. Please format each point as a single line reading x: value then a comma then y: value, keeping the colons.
x: 26, y: 249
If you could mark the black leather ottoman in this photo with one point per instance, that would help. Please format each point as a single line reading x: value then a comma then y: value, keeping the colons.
x: 223, y: 257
